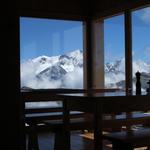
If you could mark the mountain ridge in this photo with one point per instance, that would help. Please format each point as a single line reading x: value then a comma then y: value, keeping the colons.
x: 66, y: 70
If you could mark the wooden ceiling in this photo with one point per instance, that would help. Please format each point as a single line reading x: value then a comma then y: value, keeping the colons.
x: 111, y: 7
x: 78, y: 9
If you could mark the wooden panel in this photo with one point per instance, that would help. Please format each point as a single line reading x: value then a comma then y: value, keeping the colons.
x: 126, y: 104
x: 45, y: 94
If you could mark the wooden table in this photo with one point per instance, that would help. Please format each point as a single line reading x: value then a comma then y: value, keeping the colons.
x: 98, y: 104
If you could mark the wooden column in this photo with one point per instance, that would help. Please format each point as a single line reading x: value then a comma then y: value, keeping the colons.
x: 88, y: 54
x: 128, y: 50
x: 94, y: 55
x: 98, y: 54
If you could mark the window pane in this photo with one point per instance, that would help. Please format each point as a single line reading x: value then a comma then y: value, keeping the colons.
x: 114, y: 52
x: 51, y: 53
x: 141, y: 45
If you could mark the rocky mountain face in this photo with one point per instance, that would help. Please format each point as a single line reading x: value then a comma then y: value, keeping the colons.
x: 54, y: 71
x: 115, y: 73
x: 66, y: 71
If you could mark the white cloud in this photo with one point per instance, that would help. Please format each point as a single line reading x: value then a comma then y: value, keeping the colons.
x: 74, y: 79
x: 29, y: 79
x: 140, y: 66
x: 146, y: 15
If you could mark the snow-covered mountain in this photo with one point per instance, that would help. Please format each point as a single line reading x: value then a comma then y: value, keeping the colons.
x: 115, y: 73
x: 53, y: 72
x: 67, y: 71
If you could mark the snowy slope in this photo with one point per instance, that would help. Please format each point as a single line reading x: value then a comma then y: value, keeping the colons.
x: 66, y: 71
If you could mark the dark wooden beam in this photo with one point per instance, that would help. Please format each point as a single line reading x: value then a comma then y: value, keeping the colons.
x: 88, y: 54
x: 128, y: 51
x: 108, y: 8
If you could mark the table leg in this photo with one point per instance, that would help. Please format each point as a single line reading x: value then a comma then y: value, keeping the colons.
x: 98, y: 143
x: 66, y: 129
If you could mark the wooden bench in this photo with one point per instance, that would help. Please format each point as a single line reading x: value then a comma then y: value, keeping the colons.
x: 35, y: 123
x: 52, y: 121
x: 128, y: 140
x: 55, y: 126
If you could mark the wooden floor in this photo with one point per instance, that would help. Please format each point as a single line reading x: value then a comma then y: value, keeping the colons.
x: 78, y: 141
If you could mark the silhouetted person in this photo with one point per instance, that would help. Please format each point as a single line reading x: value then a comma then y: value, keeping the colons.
x: 138, y: 83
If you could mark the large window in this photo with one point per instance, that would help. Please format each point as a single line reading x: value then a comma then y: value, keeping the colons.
x: 51, y: 53
x: 114, y: 52
x: 141, y: 45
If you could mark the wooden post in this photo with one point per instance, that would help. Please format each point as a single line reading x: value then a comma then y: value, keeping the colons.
x: 128, y: 51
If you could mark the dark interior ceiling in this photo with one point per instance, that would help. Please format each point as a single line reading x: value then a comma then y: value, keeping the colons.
x: 110, y: 7
x: 77, y: 8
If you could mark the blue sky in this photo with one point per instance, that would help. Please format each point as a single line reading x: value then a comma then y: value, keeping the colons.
x: 141, y: 34
x: 114, y: 36
x: 54, y: 37
x: 49, y: 37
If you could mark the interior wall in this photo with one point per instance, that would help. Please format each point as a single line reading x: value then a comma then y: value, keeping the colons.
x: 11, y: 123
